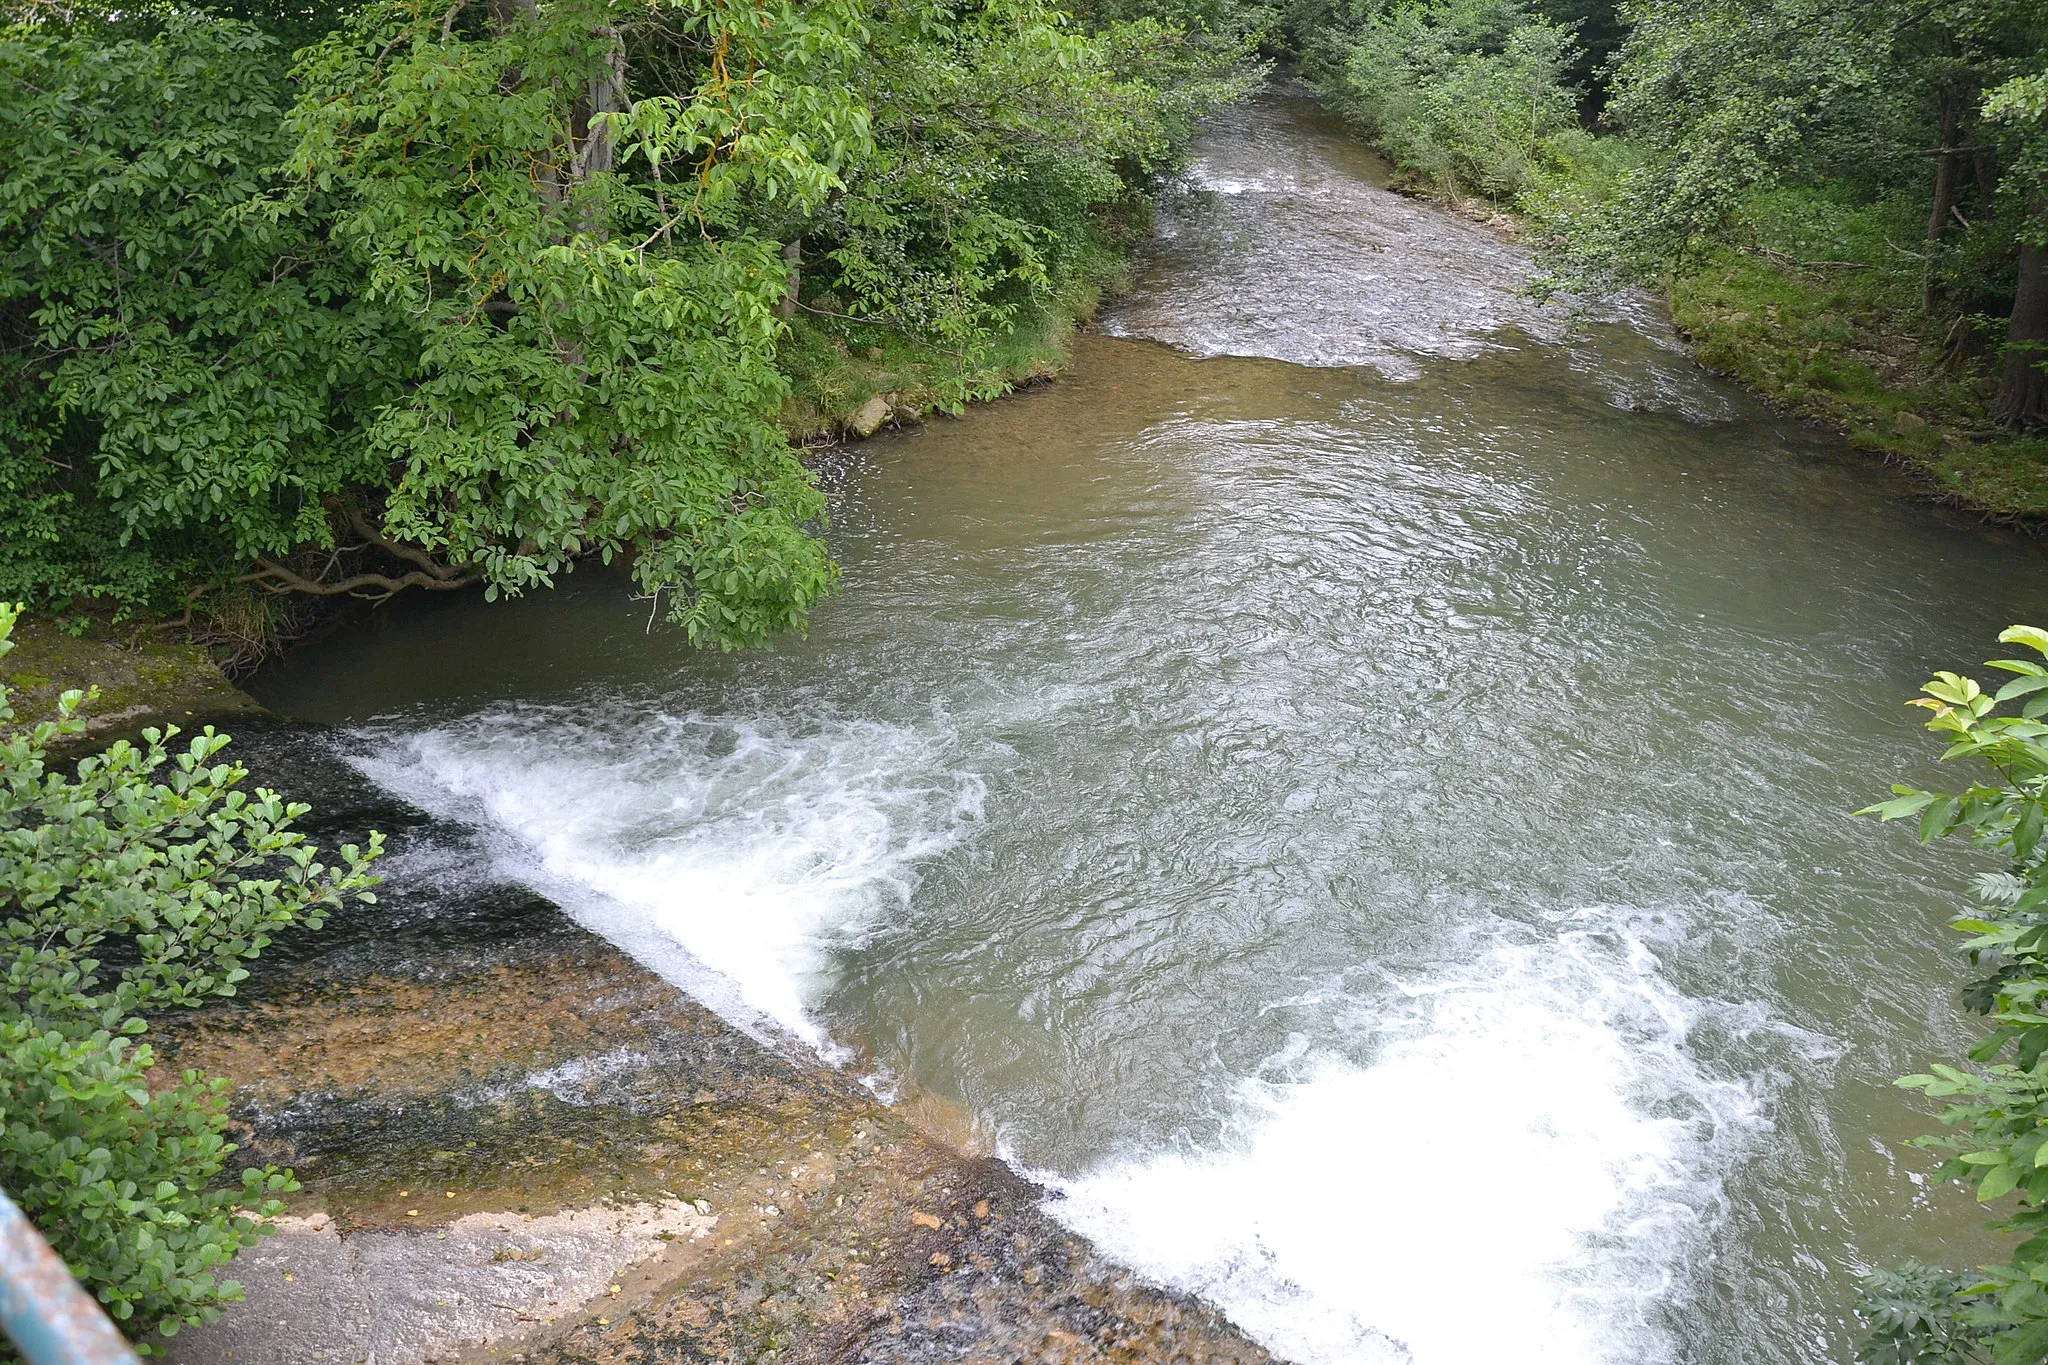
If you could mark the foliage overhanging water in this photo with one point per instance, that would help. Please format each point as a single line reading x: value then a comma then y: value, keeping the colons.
x: 1370, y: 831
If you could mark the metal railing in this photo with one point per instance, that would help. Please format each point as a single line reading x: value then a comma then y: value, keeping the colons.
x: 46, y: 1313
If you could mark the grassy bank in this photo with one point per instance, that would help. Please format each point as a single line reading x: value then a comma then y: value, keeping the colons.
x: 1811, y: 301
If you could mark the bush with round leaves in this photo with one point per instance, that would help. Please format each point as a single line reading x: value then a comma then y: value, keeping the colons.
x: 142, y: 877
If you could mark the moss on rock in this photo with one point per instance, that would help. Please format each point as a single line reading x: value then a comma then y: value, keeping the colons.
x: 143, y: 678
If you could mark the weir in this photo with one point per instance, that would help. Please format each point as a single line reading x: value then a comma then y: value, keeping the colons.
x: 1349, y: 787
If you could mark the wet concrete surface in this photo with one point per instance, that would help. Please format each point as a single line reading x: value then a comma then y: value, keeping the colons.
x: 518, y: 1144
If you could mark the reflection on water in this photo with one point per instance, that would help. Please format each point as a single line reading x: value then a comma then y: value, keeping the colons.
x: 1371, y: 835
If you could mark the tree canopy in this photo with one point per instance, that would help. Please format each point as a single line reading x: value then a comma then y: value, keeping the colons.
x: 462, y: 294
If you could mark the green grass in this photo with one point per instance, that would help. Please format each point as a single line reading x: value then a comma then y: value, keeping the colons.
x: 1814, y: 302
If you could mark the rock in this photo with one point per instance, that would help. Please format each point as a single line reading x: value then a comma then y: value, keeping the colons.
x: 143, y: 679
x: 869, y: 419
x: 406, y: 1298
x: 1908, y: 422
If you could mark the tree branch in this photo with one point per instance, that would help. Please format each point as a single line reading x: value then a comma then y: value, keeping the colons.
x: 274, y: 577
x: 360, y: 524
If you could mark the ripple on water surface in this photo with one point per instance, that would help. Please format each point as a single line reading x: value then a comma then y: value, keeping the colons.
x: 1378, y: 847
x: 1281, y: 244
x: 1280, y: 241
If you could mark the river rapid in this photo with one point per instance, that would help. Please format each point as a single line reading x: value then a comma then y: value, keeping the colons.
x: 1349, y: 787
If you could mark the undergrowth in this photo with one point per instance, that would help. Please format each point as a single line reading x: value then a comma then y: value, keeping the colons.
x: 836, y: 364
x: 1811, y: 299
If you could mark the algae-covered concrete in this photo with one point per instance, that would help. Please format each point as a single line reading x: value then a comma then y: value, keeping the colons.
x: 144, y: 678
x: 519, y: 1144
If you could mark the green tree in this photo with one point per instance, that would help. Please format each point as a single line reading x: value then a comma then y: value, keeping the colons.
x: 998, y: 132
x: 1598, y: 28
x: 141, y: 880
x: 1473, y: 95
x: 596, y: 364
x: 1725, y: 99
x: 2019, y: 108
x: 185, y: 365
x: 477, y: 290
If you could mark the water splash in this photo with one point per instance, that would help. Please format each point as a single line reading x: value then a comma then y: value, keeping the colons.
x: 1519, y: 1170
x: 744, y: 847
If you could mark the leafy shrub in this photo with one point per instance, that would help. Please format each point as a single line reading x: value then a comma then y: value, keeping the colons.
x: 142, y: 879
x: 1470, y: 94
x: 1915, y: 1319
x: 2000, y: 1106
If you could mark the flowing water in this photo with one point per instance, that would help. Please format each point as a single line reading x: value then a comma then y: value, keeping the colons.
x: 1356, y: 803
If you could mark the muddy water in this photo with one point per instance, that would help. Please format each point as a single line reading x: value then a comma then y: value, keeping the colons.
x: 1354, y: 799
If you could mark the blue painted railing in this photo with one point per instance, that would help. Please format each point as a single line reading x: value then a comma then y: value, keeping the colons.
x: 50, y: 1319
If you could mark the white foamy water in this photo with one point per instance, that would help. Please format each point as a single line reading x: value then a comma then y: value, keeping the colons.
x: 1531, y: 1119
x: 1521, y: 1173
x: 737, y: 845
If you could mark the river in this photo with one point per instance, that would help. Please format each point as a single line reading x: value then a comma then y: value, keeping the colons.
x: 1349, y: 787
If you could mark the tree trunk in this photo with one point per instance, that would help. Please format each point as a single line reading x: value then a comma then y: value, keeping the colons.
x: 792, y: 257
x: 2023, y: 389
x: 1947, y: 167
x: 607, y: 95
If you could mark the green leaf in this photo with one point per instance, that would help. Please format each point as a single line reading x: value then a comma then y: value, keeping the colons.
x: 1938, y: 818
x: 1912, y: 803
x: 2024, y: 1345
x: 1998, y: 1181
x: 2030, y: 636
x: 1989, y: 1046
x: 2026, y: 830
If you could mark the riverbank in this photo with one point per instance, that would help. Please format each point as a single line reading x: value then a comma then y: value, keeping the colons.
x: 145, y: 676
x: 850, y: 378
x: 1808, y: 302
x: 1842, y: 341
